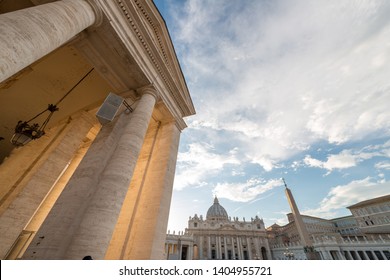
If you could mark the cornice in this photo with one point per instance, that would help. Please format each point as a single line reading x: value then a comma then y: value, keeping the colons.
x: 156, y: 32
x: 150, y: 34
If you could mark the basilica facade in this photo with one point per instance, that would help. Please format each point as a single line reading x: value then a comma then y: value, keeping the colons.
x: 220, y: 237
x: 363, y: 235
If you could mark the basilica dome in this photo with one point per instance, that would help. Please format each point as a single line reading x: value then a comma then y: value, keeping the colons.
x: 216, y: 212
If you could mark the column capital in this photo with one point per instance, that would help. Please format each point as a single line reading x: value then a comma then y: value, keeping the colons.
x: 97, y: 11
x: 149, y: 89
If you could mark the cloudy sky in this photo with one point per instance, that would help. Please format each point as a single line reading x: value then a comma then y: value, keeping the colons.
x: 283, y: 89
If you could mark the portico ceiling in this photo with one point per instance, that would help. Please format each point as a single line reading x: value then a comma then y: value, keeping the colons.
x: 116, y: 62
x: 46, y: 82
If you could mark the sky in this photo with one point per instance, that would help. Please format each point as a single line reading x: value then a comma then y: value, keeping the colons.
x: 298, y: 90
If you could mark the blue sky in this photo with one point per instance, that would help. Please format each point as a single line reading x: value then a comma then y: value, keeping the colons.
x: 292, y: 89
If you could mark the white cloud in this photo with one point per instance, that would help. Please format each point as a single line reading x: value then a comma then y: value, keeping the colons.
x: 267, y: 163
x: 277, y: 78
x: 199, y: 162
x: 383, y: 165
x: 237, y: 172
x: 348, y: 158
x: 278, y: 221
x: 339, y: 161
x: 279, y: 81
x: 342, y: 196
x: 245, y: 191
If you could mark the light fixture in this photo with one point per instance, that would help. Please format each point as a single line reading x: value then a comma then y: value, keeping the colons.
x: 25, y: 131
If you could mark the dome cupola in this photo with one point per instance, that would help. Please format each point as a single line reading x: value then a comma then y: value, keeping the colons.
x: 217, y: 212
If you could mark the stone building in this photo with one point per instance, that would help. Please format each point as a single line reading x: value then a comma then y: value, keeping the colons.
x: 180, y: 246
x: 220, y: 237
x: 343, y: 238
x: 373, y: 215
x: 76, y: 186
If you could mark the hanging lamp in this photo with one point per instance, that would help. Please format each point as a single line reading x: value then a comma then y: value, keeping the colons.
x: 25, y: 131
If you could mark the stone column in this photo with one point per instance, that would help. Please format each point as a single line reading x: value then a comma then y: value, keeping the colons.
x: 258, y: 248
x: 348, y: 255
x: 44, y: 175
x: 157, y: 192
x: 208, y: 248
x: 330, y: 257
x: 249, y: 247
x: 220, y: 247
x: 29, y: 34
x: 241, y: 249
x: 195, y: 255
x: 201, y: 240
x: 190, y: 252
x: 342, y: 256
x: 102, y: 213
x: 239, y: 252
x: 217, y: 255
x: 233, y: 250
x: 225, y: 246
x: 169, y: 250
x: 357, y: 255
x: 83, y: 219
x: 383, y: 255
x: 41, y: 213
x: 144, y: 216
x: 179, y: 250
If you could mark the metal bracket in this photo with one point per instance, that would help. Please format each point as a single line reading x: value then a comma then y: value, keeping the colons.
x: 128, y: 107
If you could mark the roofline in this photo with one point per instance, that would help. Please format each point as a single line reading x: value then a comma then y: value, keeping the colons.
x: 371, y: 201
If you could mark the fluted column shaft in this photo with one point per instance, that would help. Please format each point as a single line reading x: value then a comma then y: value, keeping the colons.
x: 219, y: 248
x: 225, y: 245
x: 239, y: 248
x: 208, y: 248
x: 104, y: 208
x: 234, y: 251
x: 153, y: 184
x: 84, y: 217
x: 348, y: 255
x: 358, y: 256
x: 60, y: 147
x: 249, y: 247
x: 200, y: 256
x: 29, y: 34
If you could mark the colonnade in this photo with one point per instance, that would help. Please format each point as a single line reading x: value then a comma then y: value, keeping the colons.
x: 355, y: 254
x: 352, y: 253
x: 230, y: 247
x: 118, y: 196
x: 175, y: 251
x: 366, y: 254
